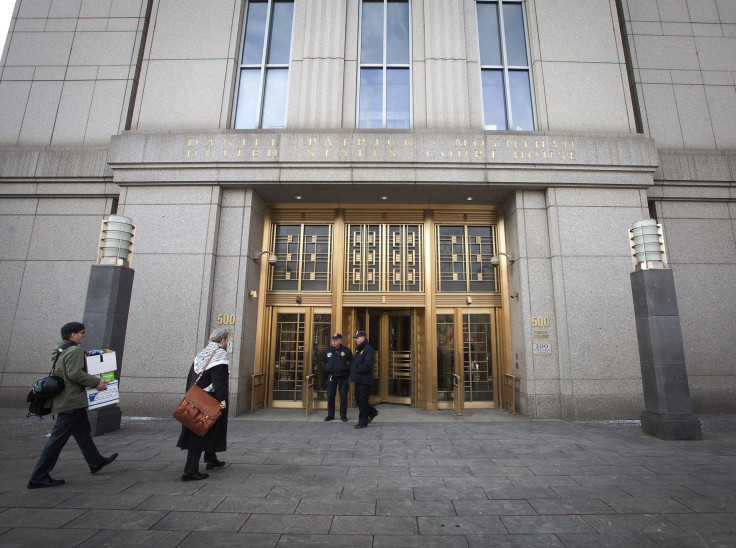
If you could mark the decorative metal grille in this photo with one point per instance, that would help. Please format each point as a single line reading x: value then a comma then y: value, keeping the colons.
x: 304, y: 254
x: 464, y: 258
x: 384, y: 258
x: 477, y: 350
x: 289, y: 365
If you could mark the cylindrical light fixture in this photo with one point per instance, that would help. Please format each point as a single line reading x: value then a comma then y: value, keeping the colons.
x: 116, y: 241
x: 647, y: 245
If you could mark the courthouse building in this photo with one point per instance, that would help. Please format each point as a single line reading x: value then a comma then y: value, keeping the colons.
x: 455, y: 177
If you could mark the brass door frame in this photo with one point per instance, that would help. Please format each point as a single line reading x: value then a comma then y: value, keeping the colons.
x: 495, y: 354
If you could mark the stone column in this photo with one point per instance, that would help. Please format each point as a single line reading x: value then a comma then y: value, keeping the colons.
x: 667, y: 413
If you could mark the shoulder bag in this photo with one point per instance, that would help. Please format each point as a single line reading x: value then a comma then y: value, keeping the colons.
x: 198, y: 411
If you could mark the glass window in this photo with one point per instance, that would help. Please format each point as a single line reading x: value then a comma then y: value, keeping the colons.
x: 264, y: 65
x: 445, y: 356
x: 384, y: 99
x: 504, y: 61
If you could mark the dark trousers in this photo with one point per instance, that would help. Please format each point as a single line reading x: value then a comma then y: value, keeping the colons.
x: 365, y: 409
x: 69, y: 423
x: 341, y: 384
x: 193, y: 456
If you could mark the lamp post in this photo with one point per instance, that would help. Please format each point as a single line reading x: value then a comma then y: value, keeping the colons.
x: 107, y: 305
x: 667, y: 412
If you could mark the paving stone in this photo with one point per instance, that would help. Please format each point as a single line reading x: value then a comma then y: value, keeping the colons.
x: 326, y: 541
x: 415, y: 508
x: 460, y: 525
x: 336, y: 507
x: 115, y: 538
x: 420, y: 541
x: 641, y: 523
x: 374, y: 525
x: 610, y: 540
x: 201, y: 521
x: 287, y: 523
x: 122, y: 519
x: 42, y: 518
x: 570, y: 506
x: 515, y: 541
x: 20, y: 537
x: 517, y: 525
x: 494, y: 508
x: 200, y: 502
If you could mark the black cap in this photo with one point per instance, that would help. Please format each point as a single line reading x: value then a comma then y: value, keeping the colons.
x: 336, y: 336
x: 71, y: 327
x: 359, y: 334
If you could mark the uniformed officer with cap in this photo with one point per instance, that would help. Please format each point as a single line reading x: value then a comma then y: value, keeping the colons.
x: 336, y: 362
x: 361, y: 373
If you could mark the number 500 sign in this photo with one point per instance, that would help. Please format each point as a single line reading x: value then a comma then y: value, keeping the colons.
x: 540, y: 321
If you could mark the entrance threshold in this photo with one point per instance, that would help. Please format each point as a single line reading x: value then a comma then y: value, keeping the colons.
x: 389, y: 413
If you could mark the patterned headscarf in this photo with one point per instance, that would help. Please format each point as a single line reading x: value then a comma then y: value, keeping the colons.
x: 204, y: 355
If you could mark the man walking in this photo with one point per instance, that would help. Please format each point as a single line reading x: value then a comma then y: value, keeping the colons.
x: 70, y: 408
x: 335, y: 363
x: 361, y: 374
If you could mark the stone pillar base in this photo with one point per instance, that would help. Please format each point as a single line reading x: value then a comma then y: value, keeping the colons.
x: 671, y: 427
x: 105, y: 419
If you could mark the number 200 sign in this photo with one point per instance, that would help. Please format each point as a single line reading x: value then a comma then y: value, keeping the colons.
x: 540, y: 321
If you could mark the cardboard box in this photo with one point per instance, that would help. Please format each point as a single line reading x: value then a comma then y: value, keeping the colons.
x: 105, y: 397
x: 102, y: 363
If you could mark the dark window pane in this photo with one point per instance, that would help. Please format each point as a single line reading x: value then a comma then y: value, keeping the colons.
x: 283, y: 14
x: 488, y: 36
x: 371, y: 41
x: 397, y: 33
x: 371, y: 99
x: 246, y: 115
x: 274, y: 100
x: 494, y: 108
x: 255, y: 29
x: 521, y: 100
x: 513, y: 23
x: 397, y: 98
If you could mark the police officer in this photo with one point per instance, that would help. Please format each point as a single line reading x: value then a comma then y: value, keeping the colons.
x: 361, y: 374
x: 335, y: 363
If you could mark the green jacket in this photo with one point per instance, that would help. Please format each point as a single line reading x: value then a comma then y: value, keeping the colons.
x: 70, y: 367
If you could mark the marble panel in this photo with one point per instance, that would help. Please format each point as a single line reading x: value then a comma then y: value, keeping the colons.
x: 230, y: 229
x: 656, y: 52
x: 103, y: 48
x: 599, y: 316
x: 38, y: 121
x: 726, y: 11
x: 182, y: 95
x: 49, y: 73
x: 577, y: 31
x: 14, y: 97
x: 695, y: 121
x: 168, y: 195
x: 95, y: 8
x: 15, y: 235
x: 171, y: 229
x: 65, y: 8
x: 694, y: 210
x: 444, y: 22
x: 107, y: 112
x: 643, y: 10
x: 585, y: 97
x: 673, y: 10
x: 39, y: 48
x: 703, y: 12
x: 700, y: 241
x: 201, y: 31
x: 71, y: 118
x: 720, y: 100
x: 596, y: 231
x: 661, y: 115
x: 40, y: 292
x: 166, y: 302
x: 127, y: 8
x: 62, y: 236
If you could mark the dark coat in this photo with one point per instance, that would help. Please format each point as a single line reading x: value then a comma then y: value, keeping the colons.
x: 216, y: 439
x: 335, y: 361
x: 361, y: 368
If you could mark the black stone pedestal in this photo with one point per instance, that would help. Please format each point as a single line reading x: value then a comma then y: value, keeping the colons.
x: 105, y: 419
x: 667, y: 412
x: 106, y: 322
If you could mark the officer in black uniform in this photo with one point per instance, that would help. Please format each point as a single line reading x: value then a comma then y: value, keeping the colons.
x: 361, y: 373
x: 335, y: 362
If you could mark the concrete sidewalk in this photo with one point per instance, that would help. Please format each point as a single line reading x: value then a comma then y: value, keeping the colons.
x: 413, y: 478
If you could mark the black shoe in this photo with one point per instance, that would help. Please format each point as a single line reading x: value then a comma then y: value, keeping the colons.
x: 107, y: 460
x: 344, y: 419
x: 216, y: 464
x: 51, y: 482
x: 329, y: 419
x: 370, y: 419
x: 359, y: 426
x: 194, y: 477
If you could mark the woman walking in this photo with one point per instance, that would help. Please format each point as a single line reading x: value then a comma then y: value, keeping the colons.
x: 213, y: 360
